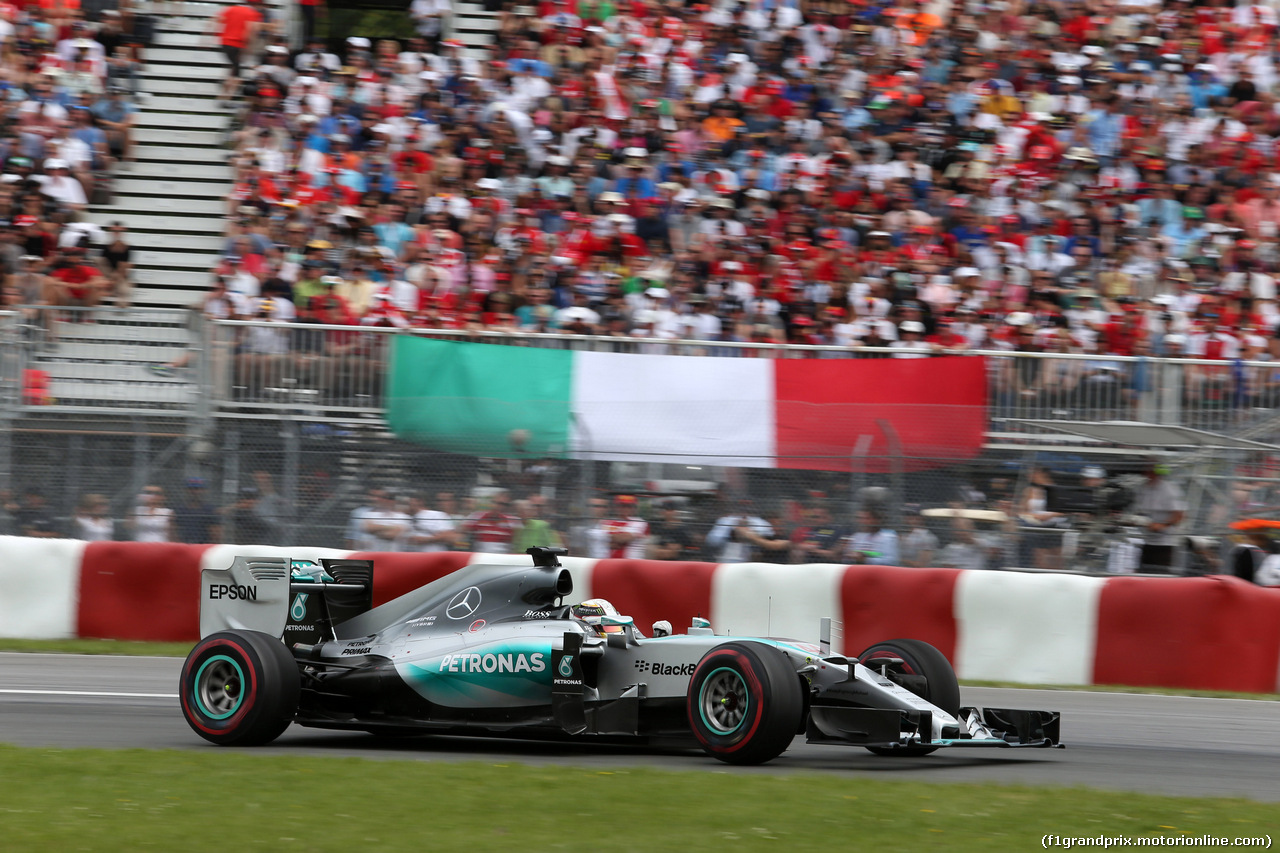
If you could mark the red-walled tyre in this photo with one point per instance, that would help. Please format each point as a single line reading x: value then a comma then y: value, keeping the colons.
x: 745, y: 703
x: 239, y: 688
x: 924, y: 671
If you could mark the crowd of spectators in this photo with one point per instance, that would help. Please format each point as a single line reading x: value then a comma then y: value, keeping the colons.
x: 1089, y: 177
x: 624, y: 527
x: 68, y: 87
x: 1007, y: 525
x: 257, y: 514
x: 1132, y: 520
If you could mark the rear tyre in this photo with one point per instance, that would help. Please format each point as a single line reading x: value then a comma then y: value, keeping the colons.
x: 239, y: 688
x: 924, y: 671
x: 744, y: 703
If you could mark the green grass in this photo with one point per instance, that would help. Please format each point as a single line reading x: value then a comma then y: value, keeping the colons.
x: 96, y: 647
x: 222, y: 800
x: 130, y: 647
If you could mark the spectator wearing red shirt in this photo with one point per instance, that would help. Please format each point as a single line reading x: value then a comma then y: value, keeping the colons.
x: 946, y: 337
x: 236, y: 27
x: 628, y: 533
x: 1121, y: 333
x: 77, y: 283
x: 492, y: 529
x: 1212, y: 342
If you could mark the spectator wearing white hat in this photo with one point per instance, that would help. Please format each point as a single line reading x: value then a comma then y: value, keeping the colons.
x: 722, y: 225
x: 911, y: 342
x: 276, y: 66
x: 73, y: 151
x: 58, y: 184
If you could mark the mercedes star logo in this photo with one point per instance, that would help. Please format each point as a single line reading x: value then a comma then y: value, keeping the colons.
x: 463, y: 604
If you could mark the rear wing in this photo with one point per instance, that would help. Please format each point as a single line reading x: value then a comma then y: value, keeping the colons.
x: 261, y: 594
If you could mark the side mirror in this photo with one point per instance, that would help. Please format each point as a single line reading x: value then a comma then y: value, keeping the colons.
x: 701, y: 627
x: 547, y: 558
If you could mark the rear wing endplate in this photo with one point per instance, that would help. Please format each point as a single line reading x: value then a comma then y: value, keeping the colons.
x: 259, y: 594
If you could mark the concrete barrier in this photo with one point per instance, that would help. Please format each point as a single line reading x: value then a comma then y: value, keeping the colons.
x: 137, y: 591
x: 39, y: 587
x: 1031, y: 628
x: 1217, y: 633
x: 888, y: 603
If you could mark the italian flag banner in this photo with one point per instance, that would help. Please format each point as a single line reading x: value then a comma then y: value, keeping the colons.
x: 820, y: 414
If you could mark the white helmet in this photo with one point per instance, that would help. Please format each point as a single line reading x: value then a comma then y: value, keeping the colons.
x: 593, y: 610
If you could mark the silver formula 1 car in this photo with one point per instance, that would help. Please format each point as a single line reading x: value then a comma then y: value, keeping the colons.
x: 495, y: 649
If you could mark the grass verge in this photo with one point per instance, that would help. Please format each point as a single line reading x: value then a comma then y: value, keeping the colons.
x: 96, y: 647
x: 223, y: 800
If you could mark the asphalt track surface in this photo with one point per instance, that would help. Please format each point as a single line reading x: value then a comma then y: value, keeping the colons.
x: 1154, y: 744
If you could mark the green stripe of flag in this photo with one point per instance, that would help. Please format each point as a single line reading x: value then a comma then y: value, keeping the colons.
x: 435, y: 387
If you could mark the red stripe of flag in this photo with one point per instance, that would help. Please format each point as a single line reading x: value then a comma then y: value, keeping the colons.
x: 936, y: 406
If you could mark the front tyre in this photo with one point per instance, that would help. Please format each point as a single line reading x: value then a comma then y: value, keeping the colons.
x: 924, y: 671
x: 744, y: 703
x: 239, y: 688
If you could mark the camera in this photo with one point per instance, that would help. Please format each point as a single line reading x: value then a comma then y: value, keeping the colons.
x: 1107, y: 498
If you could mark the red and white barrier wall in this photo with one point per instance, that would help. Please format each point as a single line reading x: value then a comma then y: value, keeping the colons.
x: 1207, y: 633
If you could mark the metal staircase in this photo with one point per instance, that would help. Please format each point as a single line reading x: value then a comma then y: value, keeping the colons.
x: 173, y: 199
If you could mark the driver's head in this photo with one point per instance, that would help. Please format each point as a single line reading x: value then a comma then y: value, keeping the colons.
x: 593, y: 610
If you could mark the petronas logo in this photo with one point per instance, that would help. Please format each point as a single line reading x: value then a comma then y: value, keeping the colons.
x: 566, y: 666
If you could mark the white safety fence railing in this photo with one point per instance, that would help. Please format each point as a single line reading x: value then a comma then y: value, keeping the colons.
x: 338, y: 370
x: 266, y: 364
x: 100, y: 358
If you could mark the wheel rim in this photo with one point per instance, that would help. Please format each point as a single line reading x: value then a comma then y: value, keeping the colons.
x: 219, y: 687
x: 723, y: 701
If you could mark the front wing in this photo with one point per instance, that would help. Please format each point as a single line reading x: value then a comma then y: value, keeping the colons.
x: 893, y: 729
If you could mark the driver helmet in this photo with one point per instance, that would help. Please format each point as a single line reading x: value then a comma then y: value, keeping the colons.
x: 593, y: 610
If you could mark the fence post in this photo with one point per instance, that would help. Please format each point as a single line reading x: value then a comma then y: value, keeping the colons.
x: 73, y: 486
x: 10, y: 391
x: 200, y: 427
x: 581, y: 449
x: 1172, y: 377
x: 141, y: 466
x: 858, y: 473
x: 895, y: 473
x: 289, y: 486
x: 230, y: 481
